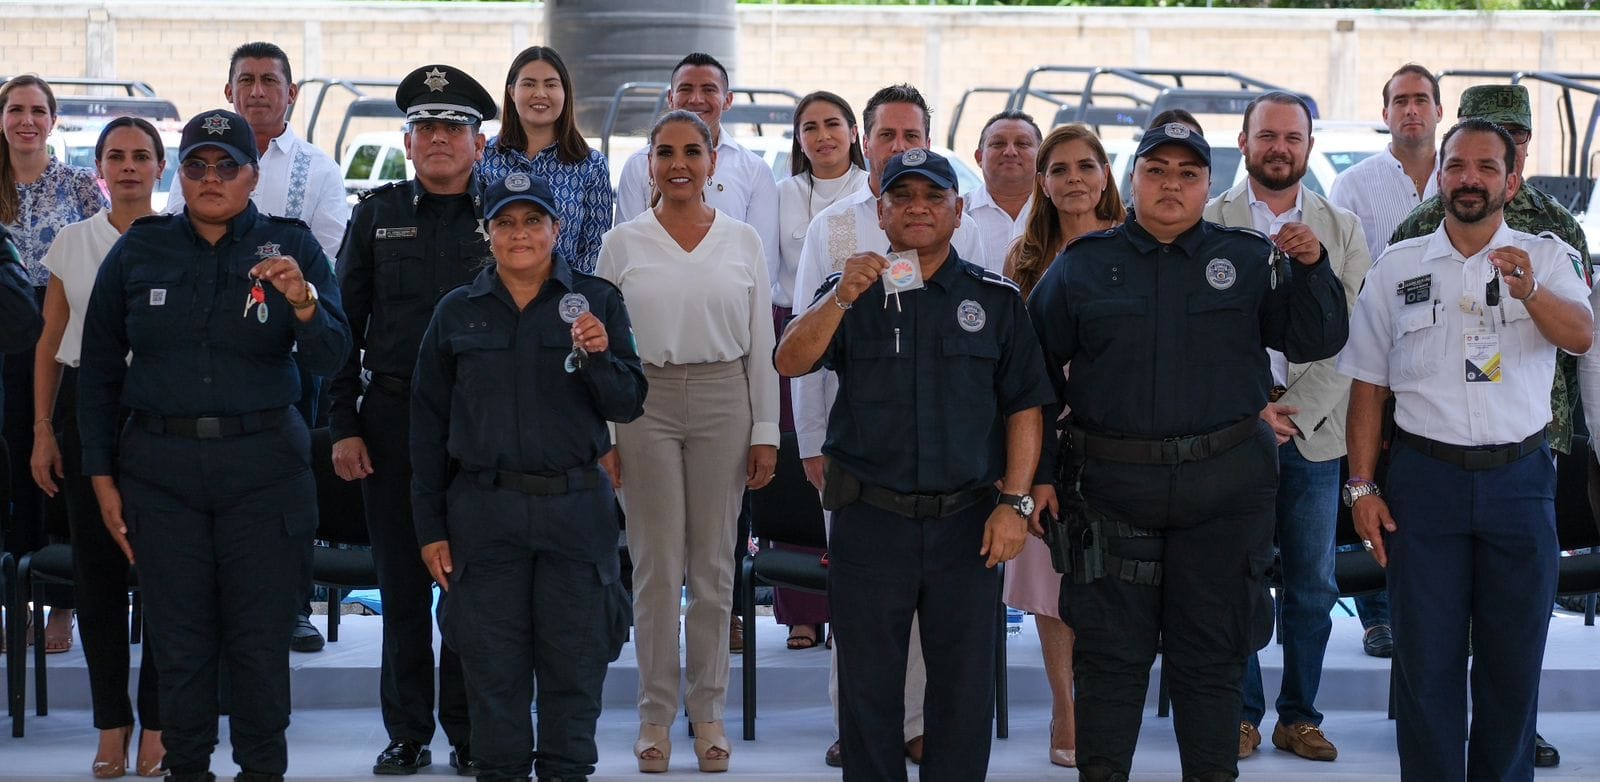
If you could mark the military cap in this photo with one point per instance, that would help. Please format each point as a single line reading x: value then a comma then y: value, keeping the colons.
x: 223, y: 130
x: 919, y: 162
x: 517, y: 186
x: 1502, y: 104
x: 444, y: 93
x: 1175, y: 133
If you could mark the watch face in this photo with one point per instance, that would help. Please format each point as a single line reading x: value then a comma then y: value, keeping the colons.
x: 1024, y: 505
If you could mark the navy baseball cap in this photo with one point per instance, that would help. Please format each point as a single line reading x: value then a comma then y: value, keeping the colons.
x: 919, y: 162
x: 222, y: 129
x: 444, y: 93
x: 1175, y: 133
x: 518, y: 186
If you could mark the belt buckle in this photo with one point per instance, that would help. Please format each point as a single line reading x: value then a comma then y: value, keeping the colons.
x: 1479, y: 460
x: 927, y: 507
x: 209, y: 428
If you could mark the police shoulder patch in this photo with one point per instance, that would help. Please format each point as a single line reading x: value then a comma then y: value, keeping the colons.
x: 828, y: 284
x: 994, y: 278
x: 383, y: 188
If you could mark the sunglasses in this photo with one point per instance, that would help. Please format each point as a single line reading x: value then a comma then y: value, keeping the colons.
x: 1518, y: 135
x: 227, y: 169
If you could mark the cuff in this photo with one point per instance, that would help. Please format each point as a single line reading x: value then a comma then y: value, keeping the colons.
x: 765, y: 433
x: 810, y: 443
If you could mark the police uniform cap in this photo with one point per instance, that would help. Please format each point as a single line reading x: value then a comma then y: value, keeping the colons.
x: 1502, y: 104
x: 223, y: 130
x: 927, y: 164
x: 1174, y: 133
x: 518, y: 186
x: 444, y: 93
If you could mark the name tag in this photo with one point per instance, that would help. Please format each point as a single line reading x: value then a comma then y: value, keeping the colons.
x: 396, y: 233
x: 158, y: 296
x: 1416, y: 289
x: 1482, y: 350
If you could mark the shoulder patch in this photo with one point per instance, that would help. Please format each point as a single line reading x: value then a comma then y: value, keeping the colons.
x: 1240, y: 229
x: 994, y: 278
x: 828, y: 284
x: 365, y: 194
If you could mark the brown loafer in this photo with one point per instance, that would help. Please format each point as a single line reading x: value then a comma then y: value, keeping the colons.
x: 914, y: 750
x: 832, y: 756
x: 1305, y: 740
x: 1249, y: 739
x: 736, y: 634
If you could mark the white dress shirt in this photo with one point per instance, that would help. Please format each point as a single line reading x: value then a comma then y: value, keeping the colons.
x: 710, y: 304
x: 1269, y: 225
x: 74, y: 258
x: 1418, y: 350
x: 297, y: 180
x: 848, y: 227
x: 742, y: 186
x: 1382, y: 194
x: 1589, y: 373
x: 801, y: 198
x: 996, y: 227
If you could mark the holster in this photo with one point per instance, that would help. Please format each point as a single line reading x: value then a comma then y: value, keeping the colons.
x: 1078, y: 539
x: 839, y: 487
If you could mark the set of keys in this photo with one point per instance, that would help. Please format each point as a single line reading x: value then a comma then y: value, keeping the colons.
x: 1277, y: 264
x: 257, y: 300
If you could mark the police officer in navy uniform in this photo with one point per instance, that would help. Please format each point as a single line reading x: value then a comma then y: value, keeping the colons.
x: 940, y: 389
x: 516, y: 377
x: 1165, y: 321
x: 408, y: 243
x: 20, y: 322
x: 208, y: 486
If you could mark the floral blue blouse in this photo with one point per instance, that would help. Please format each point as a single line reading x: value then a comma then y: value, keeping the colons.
x: 62, y: 195
x: 583, y: 195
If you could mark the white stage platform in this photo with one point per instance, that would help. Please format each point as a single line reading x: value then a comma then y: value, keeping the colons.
x: 336, y: 729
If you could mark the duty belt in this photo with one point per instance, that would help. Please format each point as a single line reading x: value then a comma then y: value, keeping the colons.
x: 209, y: 427
x: 546, y: 485
x: 392, y: 384
x: 922, y: 506
x: 1481, y: 457
x: 1172, y: 450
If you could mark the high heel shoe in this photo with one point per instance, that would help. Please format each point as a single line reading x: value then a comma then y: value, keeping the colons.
x: 1058, y: 756
x: 710, y: 737
x: 657, y: 739
x: 111, y: 769
x: 151, y: 767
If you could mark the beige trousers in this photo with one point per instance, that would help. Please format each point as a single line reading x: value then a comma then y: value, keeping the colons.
x: 683, y: 471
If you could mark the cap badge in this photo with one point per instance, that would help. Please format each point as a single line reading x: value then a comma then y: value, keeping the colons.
x: 1220, y: 272
x: 1176, y: 130
x: 914, y: 157
x: 518, y: 182
x: 215, y: 124
x: 436, y: 81
x: 970, y: 316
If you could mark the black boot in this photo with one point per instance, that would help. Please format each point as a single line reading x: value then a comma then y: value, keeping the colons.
x: 256, y: 776
x: 1100, y: 774
x: 199, y: 776
x: 1213, y: 776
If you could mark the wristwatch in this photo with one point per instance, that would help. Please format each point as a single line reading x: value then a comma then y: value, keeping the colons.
x: 310, y: 299
x: 1356, y: 488
x: 1021, y: 503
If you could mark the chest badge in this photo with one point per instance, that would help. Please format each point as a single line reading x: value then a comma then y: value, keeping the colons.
x: 269, y: 250
x: 395, y: 233
x: 158, y: 297
x: 1221, y: 274
x: 971, y: 317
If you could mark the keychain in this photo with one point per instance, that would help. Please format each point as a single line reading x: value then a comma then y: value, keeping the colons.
x: 257, y: 299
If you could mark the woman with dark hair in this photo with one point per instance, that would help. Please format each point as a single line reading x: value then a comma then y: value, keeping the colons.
x: 131, y: 159
x: 540, y: 138
x: 1073, y: 194
x: 696, y: 284
x: 39, y: 196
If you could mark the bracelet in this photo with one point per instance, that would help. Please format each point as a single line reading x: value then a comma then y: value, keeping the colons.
x: 44, y: 421
x: 841, y: 303
x: 1532, y: 292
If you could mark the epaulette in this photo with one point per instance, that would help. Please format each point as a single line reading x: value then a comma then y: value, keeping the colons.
x: 1242, y: 229
x: 993, y: 278
x: 365, y: 194
x: 1106, y: 234
x: 289, y: 220
x: 828, y: 284
x: 152, y: 219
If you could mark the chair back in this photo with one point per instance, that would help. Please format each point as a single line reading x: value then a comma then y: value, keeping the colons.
x: 1577, y: 497
x: 341, y: 511
x: 788, y: 510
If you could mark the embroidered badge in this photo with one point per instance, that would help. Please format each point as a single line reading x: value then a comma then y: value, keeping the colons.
x: 216, y: 124
x: 914, y: 157
x: 970, y: 316
x: 1220, y: 272
x: 268, y: 250
x: 1176, y: 130
x: 436, y: 81
x: 518, y: 182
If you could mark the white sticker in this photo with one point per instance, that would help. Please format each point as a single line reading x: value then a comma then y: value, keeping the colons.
x: 158, y: 296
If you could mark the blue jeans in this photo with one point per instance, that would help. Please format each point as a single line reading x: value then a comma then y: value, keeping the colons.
x: 1308, y: 497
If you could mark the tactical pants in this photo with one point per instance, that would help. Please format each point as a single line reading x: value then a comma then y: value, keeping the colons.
x: 1210, y: 612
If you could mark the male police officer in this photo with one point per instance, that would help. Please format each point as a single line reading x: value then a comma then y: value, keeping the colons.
x: 1306, y: 408
x: 1169, y: 476
x: 940, y: 385
x: 1462, y: 326
x: 408, y: 244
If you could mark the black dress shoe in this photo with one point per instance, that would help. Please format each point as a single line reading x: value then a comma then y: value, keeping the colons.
x: 1544, y: 755
x: 833, y: 757
x: 402, y: 756
x: 1378, y: 641
x: 462, y: 761
x: 304, y: 637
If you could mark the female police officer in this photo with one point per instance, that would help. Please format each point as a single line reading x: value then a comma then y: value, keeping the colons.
x: 516, y: 377
x: 210, y: 482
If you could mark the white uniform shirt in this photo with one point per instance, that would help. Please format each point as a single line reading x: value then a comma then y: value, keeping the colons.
x: 801, y: 198
x: 1588, y: 373
x: 847, y: 227
x: 1418, y: 350
x: 74, y: 258
x: 1382, y: 194
x: 1262, y: 219
x: 995, y: 227
x: 297, y: 180
x: 742, y: 186
x: 711, y: 304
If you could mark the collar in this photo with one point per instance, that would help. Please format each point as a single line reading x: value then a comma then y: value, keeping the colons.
x: 474, y: 189
x: 1189, y: 241
x: 237, y: 227
x: 1299, y: 198
x: 950, y: 271
x: 980, y: 198
x: 727, y: 144
x: 488, y: 280
x: 1439, y: 247
x: 494, y: 146
x: 285, y: 140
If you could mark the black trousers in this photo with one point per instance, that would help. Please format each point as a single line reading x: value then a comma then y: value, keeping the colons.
x: 883, y: 569
x: 36, y: 520
x: 220, y: 529
x: 1209, y: 614
x: 405, y: 694
x: 99, y: 571
x: 535, y: 623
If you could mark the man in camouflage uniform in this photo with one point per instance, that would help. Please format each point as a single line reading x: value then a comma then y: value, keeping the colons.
x: 1535, y: 212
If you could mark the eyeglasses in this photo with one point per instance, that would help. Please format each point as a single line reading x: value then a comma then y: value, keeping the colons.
x: 1518, y: 135
x: 227, y: 169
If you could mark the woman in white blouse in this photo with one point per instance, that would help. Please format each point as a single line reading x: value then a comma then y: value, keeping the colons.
x: 696, y: 284
x: 131, y: 158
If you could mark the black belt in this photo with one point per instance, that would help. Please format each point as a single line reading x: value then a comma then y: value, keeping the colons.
x: 547, y: 485
x: 392, y: 384
x: 1173, y: 450
x: 210, y: 427
x: 1480, y: 457
x: 923, y: 506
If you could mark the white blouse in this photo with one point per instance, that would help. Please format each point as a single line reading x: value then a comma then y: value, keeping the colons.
x: 801, y: 198
x: 74, y: 258
x: 711, y: 304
